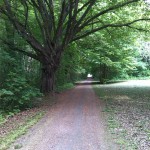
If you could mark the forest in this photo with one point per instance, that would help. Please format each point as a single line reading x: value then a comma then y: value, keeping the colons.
x: 48, y: 45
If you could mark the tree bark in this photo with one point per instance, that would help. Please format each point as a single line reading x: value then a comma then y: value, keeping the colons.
x: 47, y: 79
x: 103, y: 73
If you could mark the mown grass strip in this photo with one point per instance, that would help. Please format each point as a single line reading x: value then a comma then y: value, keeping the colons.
x: 114, y: 126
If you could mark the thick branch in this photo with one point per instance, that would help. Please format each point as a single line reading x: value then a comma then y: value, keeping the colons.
x: 22, y: 30
x: 65, y: 10
x: 85, y: 14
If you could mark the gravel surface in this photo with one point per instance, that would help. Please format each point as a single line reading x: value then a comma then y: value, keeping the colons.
x: 75, y: 122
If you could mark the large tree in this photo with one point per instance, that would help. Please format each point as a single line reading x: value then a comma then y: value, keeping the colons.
x: 48, y: 26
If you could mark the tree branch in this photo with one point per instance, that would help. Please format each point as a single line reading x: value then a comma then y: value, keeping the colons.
x: 120, y: 5
x: 15, y: 48
x: 138, y: 29
x: 109, y: 25
x: 91, y: 3
x: 21, y: 29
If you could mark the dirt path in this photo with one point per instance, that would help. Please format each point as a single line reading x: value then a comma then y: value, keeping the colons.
x: 75, y: 123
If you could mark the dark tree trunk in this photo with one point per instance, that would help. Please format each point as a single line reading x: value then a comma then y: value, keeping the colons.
x: 48, y: 79
x: 103, y: 73
x: 49, y: 70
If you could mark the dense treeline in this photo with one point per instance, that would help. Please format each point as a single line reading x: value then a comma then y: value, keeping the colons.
x: 47, y: 45
x: 20, y: 77
x: 117, y: 55
x: 48, y: 27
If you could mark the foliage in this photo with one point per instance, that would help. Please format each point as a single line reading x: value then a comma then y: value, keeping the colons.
x: 39, y: 40
x: 69, y: 66
x: 64, y: 87
x: 109, y: 54
x: 17, y: 94
x: 48, y: 27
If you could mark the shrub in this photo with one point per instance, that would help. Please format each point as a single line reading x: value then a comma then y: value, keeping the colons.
x: 17, y: 93
x: 64, y: 87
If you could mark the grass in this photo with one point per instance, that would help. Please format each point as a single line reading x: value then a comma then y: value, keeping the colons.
x: 128, y: 113
x: 131, y: 78
x: 2, y: 119
x: 7, y: 140
x: 16, y: 123
x: 112, y: 123
x: 4, y: 115
x: 64, y: 87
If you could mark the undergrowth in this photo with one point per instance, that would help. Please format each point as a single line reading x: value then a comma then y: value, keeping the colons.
x: 64, y: 87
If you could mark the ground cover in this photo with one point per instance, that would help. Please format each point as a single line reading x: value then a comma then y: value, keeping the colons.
x: 128, y: 112
x: 13, y: 125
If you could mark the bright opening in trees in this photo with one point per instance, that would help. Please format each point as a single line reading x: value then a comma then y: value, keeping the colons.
x: 89, y: 75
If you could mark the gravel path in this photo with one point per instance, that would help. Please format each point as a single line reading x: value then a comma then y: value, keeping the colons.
x: 75, y: 122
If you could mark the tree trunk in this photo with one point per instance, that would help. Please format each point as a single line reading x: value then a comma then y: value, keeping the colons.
x: 49, y: 70
x: 103, y: 73
x: 48, y: 79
